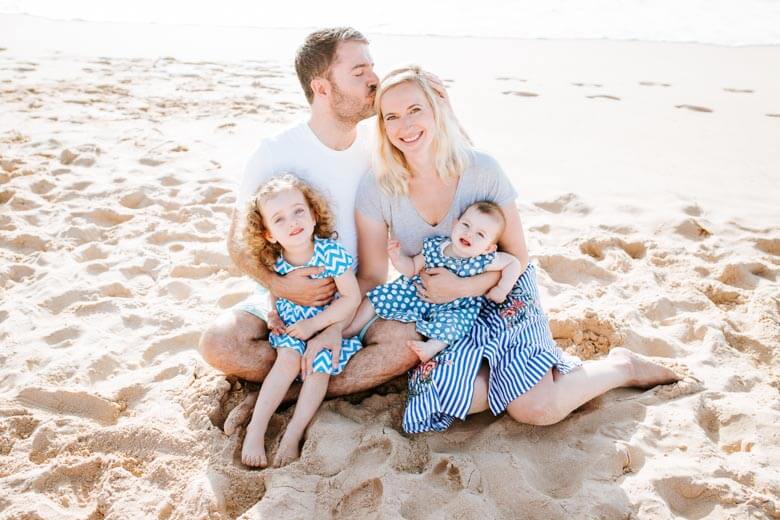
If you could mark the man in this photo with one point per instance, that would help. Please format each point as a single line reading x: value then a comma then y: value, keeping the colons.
x: 331, y: 152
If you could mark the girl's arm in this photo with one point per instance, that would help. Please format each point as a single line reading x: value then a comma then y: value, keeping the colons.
x: 340, y: 310
x: 406, y: 265
x: 510, y: 271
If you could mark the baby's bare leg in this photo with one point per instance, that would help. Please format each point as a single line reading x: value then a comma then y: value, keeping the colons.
x: 364, y: 313
x: 309, y: 401
x: 286, y: 367
x: 425, y: 350
x: 383, y: 357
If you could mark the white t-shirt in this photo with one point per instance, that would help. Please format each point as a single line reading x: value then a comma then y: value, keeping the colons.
x: 335, y: 173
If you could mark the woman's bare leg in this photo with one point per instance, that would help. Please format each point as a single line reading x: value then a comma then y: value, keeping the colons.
x: 286, y: 367
x: 556, y: 396
x: 309, y: 401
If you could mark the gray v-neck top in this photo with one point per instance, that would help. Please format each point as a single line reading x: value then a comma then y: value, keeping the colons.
x: 483, y: 179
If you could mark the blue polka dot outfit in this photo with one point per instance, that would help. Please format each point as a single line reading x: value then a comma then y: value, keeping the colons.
x: 336, y: 260
x: 447, y: 322
x: 513, y: 337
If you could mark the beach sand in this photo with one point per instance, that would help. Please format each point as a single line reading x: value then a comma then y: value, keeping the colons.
x: 648, y: 179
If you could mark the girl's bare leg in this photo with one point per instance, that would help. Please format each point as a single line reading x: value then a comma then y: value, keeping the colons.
x: 425, y: 350
x: 278, y: 380
x: 557, y: 395
x: 309, y: 401
x: 362, y: 316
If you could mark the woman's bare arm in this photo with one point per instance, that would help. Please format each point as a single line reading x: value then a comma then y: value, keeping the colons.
x: 372, y: 252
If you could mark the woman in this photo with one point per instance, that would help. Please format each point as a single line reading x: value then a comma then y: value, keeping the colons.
x: 427, y: 173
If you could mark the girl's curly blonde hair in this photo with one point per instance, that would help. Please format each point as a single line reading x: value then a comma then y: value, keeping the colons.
x: 255, y: 230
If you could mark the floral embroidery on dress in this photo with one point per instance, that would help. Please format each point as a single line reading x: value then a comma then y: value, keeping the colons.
x: 420, y: 376
x: 517, y: 307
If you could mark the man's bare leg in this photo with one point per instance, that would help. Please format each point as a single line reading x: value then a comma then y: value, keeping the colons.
x: 557, y: 395
x: 236, y: 344
x: 383, y: 357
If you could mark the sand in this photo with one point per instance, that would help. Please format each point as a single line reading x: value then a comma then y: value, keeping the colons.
x: 648, y: 180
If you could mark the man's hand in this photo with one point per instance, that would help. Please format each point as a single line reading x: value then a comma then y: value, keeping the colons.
x: 328, y: 338
x: 275, y: 323
x: 439, y: 286
x: 302, y: 329
x: 299, y: 288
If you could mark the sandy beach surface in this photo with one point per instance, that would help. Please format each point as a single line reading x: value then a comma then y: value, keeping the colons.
x: 648, y: 176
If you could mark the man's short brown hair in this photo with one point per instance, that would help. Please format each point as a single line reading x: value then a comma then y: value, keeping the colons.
x: 317, y: 53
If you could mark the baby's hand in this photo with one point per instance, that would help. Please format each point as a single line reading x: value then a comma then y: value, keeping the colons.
x: 394, y: 250
x: 275, y: 323
x: 497, y: 294
x: 302, y: 330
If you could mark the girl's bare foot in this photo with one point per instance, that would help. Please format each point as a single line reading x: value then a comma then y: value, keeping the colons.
x: 644, y: 373
x: 425, y: 350
x: 253, y: 450
x: 289, y: 448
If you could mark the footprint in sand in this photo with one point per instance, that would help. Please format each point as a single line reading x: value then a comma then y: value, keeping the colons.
x: 520, y: 93
x: 597, y: 85
x: 603, y: 96
x: 61, y: 336
x: 738, y: 90
x: 768, y: 245
x: 746, y: 275
x: 362, y: 502
x: 595, y: 248
x: 772, y: 115
x: 79, y: 403
x: 588, y: 337
x: 567, y: 203
x: 723, y: 296
x: 574, y: 271
x: 654, y: 84
x: 510, y: 78
x: 692, y: 229
x: 694, y: 108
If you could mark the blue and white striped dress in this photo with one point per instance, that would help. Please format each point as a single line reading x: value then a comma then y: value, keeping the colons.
x: 336, y: 260
x: 513, y: 337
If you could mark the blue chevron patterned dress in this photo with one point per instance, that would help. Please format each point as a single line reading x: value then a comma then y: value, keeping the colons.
x: 336, y: 260
x: 447, y: 322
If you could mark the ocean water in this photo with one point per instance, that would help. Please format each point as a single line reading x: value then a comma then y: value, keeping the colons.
x: 722, y: 22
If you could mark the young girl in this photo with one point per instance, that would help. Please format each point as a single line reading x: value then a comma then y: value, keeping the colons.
x: 470, y: 250
x: 290, y: 226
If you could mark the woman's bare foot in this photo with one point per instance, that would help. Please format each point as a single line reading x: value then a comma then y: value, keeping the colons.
x: 240, y: 415
x: 644, y: 373
x: 425, y: 350
x: 253, y: 450
x: 289, y: 448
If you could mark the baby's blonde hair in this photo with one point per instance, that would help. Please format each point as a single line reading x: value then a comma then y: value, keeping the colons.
x: 492, y: 209
x: 255, y: 231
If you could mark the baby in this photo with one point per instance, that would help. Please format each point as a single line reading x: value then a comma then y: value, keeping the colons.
x: 471, y: 249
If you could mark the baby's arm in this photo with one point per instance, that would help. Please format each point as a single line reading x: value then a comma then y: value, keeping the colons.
x: 406, y: 265
x: 510, y: 268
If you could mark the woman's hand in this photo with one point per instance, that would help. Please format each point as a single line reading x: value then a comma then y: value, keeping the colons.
x: 439, y: 285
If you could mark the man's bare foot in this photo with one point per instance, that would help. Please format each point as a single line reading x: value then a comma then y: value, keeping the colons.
x: 253, y: 450
x: 240, y: 415
x: 644, y: 373
x: 289, y: 449
x: 425, y: 350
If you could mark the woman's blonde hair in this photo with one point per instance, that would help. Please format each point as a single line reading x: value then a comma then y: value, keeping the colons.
x: 255, y: 231
x: 451, y: 145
